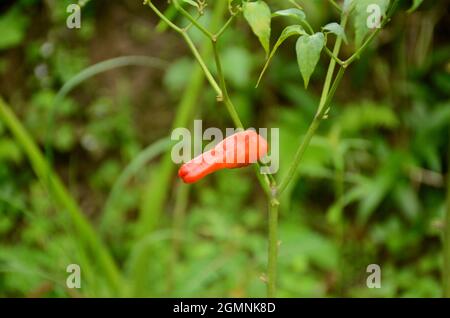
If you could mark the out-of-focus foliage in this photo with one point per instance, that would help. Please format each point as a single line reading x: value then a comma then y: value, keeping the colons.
x: 371, y: 188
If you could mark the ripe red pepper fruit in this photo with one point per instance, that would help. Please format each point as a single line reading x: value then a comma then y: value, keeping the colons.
x: 236, y: 151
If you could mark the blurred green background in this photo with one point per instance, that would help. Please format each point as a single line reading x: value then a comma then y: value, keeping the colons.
x: 371, y: 190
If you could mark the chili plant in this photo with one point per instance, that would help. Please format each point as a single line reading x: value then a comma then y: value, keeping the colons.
x: 368, y: 16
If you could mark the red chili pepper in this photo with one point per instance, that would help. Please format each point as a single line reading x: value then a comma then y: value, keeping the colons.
x: 236, y: 151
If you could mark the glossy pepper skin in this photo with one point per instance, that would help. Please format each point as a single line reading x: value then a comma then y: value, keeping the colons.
x: 235, y: 151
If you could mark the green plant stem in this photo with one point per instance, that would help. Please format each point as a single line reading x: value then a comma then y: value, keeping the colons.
x: 163, y: 17
x: 293, y: 169
x: 366, y: 43
x: 225, y: 26
x: 225, y: 97
x: 202, y: 64
x: 170, y: 13
x: 192, y: 20
x: 332, y: 65
x: 358, y: 52
x: 156, y: 191
x: 191, y: 46
x: 222, y: 94
x: 330, y: 54
x: 273, y: 248
x: 265, y: 181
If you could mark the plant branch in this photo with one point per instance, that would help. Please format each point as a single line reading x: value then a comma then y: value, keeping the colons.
x: 320, y: 115
x: 226, y: 99
x: 163, y: 17
x: 265, y: 180
x: 192, y: 47
x: 225, y: 26
x: 358, y: 52
x: 192, y: 19
x: 332, y: 65
x: 170, y: 13
x: 202, y: 63
x: 222, y: 93
x: 335, y: 58
x: 292, y: 172
x: 366, y: 43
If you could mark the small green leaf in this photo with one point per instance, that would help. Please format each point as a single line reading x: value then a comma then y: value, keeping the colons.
x: 293, y: 13
x: 415, y: 5
x: 308, y: 50
x: 258, y: 17
x: 336, y: 29
x: 287, y: 32
x: 366, y: 12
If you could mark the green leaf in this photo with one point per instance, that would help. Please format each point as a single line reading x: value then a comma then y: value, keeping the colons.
x: 258, y: 17
x: 336, y: 29
x: 287, y: 32
x: 293, y: 13
x: 415, y: 5
x: 366, y: 14
x: 308, y: 50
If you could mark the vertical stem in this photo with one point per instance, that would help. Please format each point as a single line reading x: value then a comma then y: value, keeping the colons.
x: 332, y: 65
x: 265, y: 180
x: 293, y: 169
x: 157, y: 189
x: 265, y: 183
x: 226, y: 98
x: 202, y: 64
x: 273, y: 248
